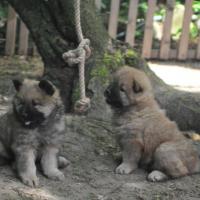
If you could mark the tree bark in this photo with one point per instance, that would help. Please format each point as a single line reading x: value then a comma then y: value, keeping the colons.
x: 51, y: 24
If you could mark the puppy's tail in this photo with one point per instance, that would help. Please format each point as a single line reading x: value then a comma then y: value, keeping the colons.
x: 195, y: 137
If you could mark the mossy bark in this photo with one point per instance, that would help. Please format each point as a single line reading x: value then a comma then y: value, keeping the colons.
x: 51, y: 24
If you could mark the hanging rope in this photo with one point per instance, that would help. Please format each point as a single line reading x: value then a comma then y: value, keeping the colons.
x: 78, y: 56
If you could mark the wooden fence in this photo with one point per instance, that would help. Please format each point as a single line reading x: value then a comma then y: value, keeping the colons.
x: 164, y: 52
x: 22, y: 43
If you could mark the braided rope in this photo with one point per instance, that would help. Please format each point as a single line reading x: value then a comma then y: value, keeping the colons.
x: 78, y: 20
x: 78, y: 56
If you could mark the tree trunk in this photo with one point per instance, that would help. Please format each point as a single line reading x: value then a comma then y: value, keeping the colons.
x: 51, y: 24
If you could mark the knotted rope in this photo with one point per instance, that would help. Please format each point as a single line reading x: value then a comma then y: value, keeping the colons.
x: 78, y: 56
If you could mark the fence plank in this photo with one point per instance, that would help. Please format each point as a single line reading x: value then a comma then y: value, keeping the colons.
x: 191, y: 54
x: 184, y: 39
x: 166, y: 39
x: 148, y: 33
x: 132, y: 17
x: 198, y: 49
x: 173, y: 53
x: 98, y: 4
x: 113, y: 20
x: 11, y: 32
x: 23, y: 39
x: 154, y: 53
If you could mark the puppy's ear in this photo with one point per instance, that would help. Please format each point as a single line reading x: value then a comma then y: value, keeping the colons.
x: 17, y: 84
x: 136, y: 87
x: 47, y: 87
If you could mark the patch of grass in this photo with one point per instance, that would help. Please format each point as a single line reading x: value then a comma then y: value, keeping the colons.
x: 19, y: 65
x: 112, y: 61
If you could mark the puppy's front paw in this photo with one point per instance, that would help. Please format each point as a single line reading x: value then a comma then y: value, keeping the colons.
x: 156, y: 176
x: 124, y: 168
x: 29, y: 179
x: 56, y: 175
x: 63, y: 162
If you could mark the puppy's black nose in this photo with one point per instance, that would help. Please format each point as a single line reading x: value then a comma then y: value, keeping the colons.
x: 107, y: 92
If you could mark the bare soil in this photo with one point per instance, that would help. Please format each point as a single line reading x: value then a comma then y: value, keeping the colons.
x: 181, y: 75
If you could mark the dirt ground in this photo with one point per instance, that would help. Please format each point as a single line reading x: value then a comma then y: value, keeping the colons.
x: 181, y: 75
x: 90, y: 147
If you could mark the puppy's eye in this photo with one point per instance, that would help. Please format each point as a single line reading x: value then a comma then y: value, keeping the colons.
x: 122, y: 89
x: 35, y: 103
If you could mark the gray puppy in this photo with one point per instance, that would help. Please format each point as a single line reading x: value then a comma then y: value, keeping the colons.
x: 33, y: 130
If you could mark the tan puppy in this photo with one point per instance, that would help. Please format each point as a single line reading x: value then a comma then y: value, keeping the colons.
x: 147, y: 137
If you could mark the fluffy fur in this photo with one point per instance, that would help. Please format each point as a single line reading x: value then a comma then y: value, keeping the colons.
x: 146, y: 136
x: 33, y: 130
